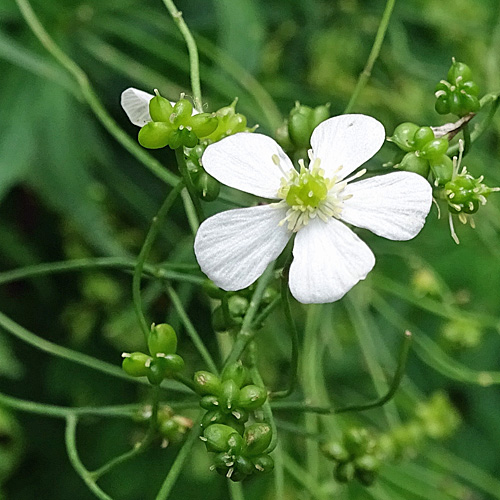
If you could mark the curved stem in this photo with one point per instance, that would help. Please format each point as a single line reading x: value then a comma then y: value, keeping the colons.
x: 193, y: 53
x: 121, y: 263
x: 144, y: 253
x: 377, y: 44
x: 398, y: 375
x: 70, y: 440
x: 294, y: 362
x: 91, y: 98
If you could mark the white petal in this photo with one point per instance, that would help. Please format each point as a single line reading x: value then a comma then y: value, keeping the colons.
x: 244, y: 161
x: 329, y: 259
x: 234, y: 248
x: 136, y: 104
x: 393, y: 205
x: 347, y: 141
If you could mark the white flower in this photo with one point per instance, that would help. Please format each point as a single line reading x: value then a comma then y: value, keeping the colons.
x: 135, y: 103
x: 233, y: 248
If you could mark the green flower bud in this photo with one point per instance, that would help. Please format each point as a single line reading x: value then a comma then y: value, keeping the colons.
x: 216, y: 437
x: 235, y: 444
x: 173, y: 364
x: 434, y: 149
x: 270, y: 293
x: 356, y: 441
x: 336, y: 451
x: 470, y: 103
x: 182, y: 112
x: 203, y: 124
x: 236, y: 123
x: 157, y: 370
x: 236, y: 372
x: 459, y: 72
x: 207, y: 383
x: 367, y: 462
x: 423, y: 136
x: 344, y: 472
x: 160, y: 109
x: 229, y: 395
x: 403, y: 136
x: 320, y: 114
x: 413, y: 163
x: 207, y: 187
x: 238, y: 305
x: 209, y: 402
x: 155, y: 135
x: 263, y: 463
x: 219, y: 417
x: 252, y: 397
x: 136, y: 364
x: 442, y: 104
x: 299, y: 125
x: 243, y: 465
x: 183, y: 136
x: 257, y: 438
x: 442, y: 169
x: 471, y: 88
x: 162, y: 339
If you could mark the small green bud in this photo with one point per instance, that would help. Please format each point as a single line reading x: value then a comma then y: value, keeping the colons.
x: 160, y: 109
x: 252, y: 397
x: 136, y: 364
x: 320, y: 114
x: 243, y: 465
x: 442, y: 104
x: 270, y: 293
x: 173, y: 364
x: 182, y: 112
x: 235, y: 444
x: 299, y: 126
x: 182, y: 137
x: 162, y: 339
x: 257, y: 438
x: 155, y: 135
x: 356, y: 441
x: 459, y: 72
x: 207, y: 187
x: 236, y: 123
x: 236, y: 372
x: 367, y: 462
x: 423, y: 136
x: 403, y: 136
x: 209, y: 402
x: 229, y: 395
x: 335, y: 451
x: 344, y: 472
x: 217, y: 436
x: 203, y: 124
x: 264, y: 463
x: 157, y: 370
x: 413, y: 163
x: 207, y: 383
x: 442, y: 169
x: 238, y: 305
x: 434, y: 149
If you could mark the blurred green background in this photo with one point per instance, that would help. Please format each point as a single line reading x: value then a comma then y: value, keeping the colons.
x: 69, y: 190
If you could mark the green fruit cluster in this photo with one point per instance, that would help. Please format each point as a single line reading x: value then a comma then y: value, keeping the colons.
x: 230, y: 400
x: 228, y: 123
x: 424, y: 152
x: 161, y: 362
x: 206, y: 186
x: 459, y: 93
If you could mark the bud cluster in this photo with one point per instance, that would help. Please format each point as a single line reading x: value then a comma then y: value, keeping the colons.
x: 161, y: 362
x: 230, y: 400
x: 459, y: 93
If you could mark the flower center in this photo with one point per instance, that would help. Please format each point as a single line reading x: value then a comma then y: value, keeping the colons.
x: 308, y: 193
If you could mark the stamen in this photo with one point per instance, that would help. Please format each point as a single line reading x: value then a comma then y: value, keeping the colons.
x: 355, y: 176
x: 452, y: 230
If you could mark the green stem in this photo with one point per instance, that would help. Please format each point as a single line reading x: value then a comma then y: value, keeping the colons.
x: 181, y: 164
x: 180, y: 459
x: 377, y: 44
x: 246, y: 333
x: 121, y: 263
x: 257, y: 322
x: 91, y: 98
x: 193, y: 53
x: 144, y: 253
x: 140, y: 447
x: 70, y: 439
x: 467, y: 138
x: 398, y: 375
x: 235, y: 490
x: 191, y: 330
x: 292, y: 327
x: 279, y: 473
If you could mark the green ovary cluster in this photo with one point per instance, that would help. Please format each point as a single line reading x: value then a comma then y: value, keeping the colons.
x: 308, y: 189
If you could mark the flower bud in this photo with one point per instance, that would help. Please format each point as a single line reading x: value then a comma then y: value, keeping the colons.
x: 413, y: 163
x: 173, y: 364
x: 236, y: 372
x: 335, y: 451
x: 217, y: 436
x: 434, y: 149
x: 264, y: 463
x: 442, y: 169
x: 320, y: 114
x: 203, y: 124
x: 182, y: 137
x: 157, y: 370
x: 344, y: 472
x: 458, y: 72
x: 257, y: 438
x: 160, y: 109
x: 207, y: 383
x: 207, y: 187
x: 229, y: 395
x: 423, y: 136
x: 238, y: 305
x: 209, y: 402
x: 356, y: 441
x: 155, y: 135
x: 299, y: 125
x: 136, y: 364
x: 162, y: 339
x: 403, y: 136
x: 252, y: 397
x: 244, y: 465
x: 182, y: 112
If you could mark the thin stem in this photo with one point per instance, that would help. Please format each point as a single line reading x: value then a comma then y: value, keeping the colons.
x: 398, y: 375
x: 62, y: 412
x: 140, y: 447
x: 70, y: 439
x: 246, y: 334
x: 377, y: 44
x: 91, y: 98
x: 235, y: 490
x: 144, y: 253
x: 193, y: 53
x: 279, y: 473
x: 257, y: 322
x: 176, y: 467
x: 191, y: 330
x: 181, y: 164
x: 467, y: 139
x: 120, y: 263
x: 294, y: 334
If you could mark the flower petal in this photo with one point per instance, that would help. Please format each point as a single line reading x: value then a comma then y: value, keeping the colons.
x: 135, y: 103
x: 347, y: 141
x: 393, y: 205
x: 234, y: 248
x: 329, y: 259
x: 244, y: 161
